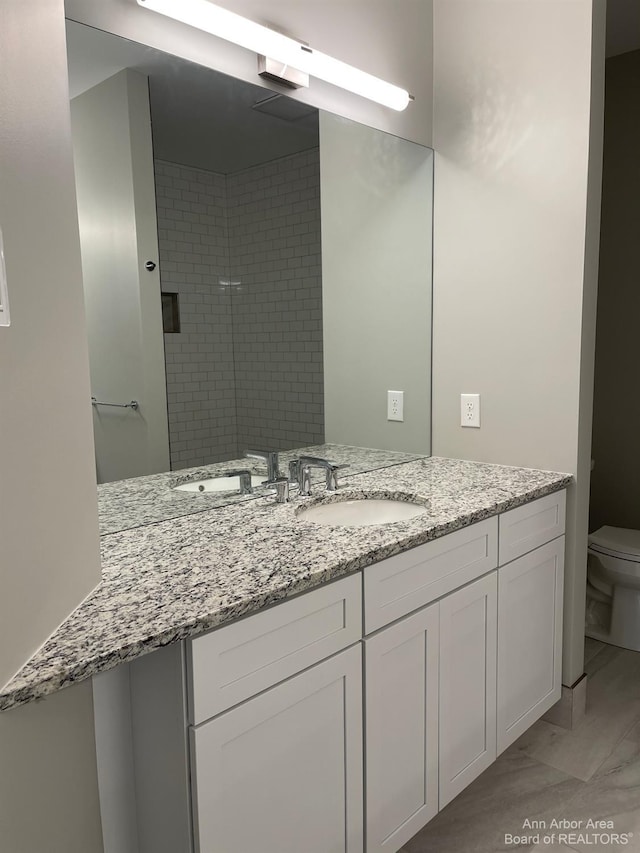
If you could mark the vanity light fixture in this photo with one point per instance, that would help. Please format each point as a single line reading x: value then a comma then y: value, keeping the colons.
x: 281, y: 49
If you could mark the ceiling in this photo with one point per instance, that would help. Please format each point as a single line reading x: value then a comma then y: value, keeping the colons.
x: 200, y: 117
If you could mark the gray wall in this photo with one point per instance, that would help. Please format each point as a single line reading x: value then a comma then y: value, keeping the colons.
x: 48, y: 790
x: 615, y: 482
x: 49, y: 545
x: 376, y: 272
x: 48, y: 508
x: 517, y: 131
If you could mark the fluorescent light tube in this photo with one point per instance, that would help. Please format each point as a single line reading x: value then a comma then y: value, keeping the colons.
x: 262, y: 40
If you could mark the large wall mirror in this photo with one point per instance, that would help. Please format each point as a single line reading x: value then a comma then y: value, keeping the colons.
x: 257, y: 273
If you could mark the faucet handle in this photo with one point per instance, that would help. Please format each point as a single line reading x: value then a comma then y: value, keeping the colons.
x: 245, y: 479
x: 304, y: 480
x: 282, y: 488
x: 332, y: 476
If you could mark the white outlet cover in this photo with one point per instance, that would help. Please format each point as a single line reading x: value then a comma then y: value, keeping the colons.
x: 470, y: 410
x: 395, y: 405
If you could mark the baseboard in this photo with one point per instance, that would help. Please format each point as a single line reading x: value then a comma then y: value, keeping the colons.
x: 570, y: 709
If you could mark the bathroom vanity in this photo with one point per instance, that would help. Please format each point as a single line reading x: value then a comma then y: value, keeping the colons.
x: 358, y: 678
x: 421, y: 669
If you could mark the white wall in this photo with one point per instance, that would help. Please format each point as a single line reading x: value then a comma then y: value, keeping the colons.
x: 388, y: 39
x: 48, y: 791
x: 49, y: 545
x: 516, y: 181
x: 113, y: 155
x: 48, y: 509
x: 376, y: 285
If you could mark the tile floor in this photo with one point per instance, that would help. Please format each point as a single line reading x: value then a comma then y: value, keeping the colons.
x: 550, y: 773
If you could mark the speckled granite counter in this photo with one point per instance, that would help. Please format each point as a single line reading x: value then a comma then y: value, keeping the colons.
x: 146, y: 500
x: 174, y: 579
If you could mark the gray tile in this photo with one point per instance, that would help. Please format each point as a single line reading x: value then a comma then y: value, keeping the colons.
x: 613, y: 707
x: 591, y: 648
x: 512, y: 790
x: 613, y: 796
x: 634, y: 733
x: 599, y: 661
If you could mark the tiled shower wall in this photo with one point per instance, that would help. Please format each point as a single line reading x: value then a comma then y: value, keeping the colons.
x: 274, y: 236
x: 243, y: 252
x: 194, y: 258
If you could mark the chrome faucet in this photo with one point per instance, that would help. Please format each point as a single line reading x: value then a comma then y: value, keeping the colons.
x: 300, y: 473
x: 281, y: 485
x: 245, y: 480
x: 268, y: 456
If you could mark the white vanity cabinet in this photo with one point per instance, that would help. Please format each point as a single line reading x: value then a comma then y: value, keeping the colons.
x: 473, y: 665
x: 248, y: 739
x: 430, y: 680
x: 270, y: 744
x: 401, y: 735
x: 468, y: 643
x: 530, y: 592
x: 282, y: 773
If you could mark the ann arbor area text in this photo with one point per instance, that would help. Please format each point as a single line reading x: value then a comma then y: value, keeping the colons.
x: 566, y: 823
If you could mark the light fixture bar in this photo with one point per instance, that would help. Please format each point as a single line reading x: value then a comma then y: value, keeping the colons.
x: 262, y: 40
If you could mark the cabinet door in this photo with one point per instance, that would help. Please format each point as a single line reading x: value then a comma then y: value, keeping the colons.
x: 529, y: 639
x: 282, y: 773
x: 468, y: 629
x: 401, y: 668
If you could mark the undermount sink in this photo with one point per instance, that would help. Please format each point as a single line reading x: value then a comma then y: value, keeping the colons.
x: 219, y: 484
x: 360, y: 512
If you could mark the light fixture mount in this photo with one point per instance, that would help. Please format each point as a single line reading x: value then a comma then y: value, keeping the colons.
x: 278, y: 72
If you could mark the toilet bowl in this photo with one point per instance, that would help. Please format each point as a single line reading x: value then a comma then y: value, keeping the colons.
x: 613, y: 575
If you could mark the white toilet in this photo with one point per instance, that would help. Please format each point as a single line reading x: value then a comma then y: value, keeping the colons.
x: 613, y: 576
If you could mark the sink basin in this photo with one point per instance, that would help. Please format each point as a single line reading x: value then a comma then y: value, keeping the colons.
x: 360, y: 512
x: 218, y: 484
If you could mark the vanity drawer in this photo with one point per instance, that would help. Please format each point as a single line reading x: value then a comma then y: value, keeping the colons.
x: 526, y: 527
x: 401, y: 584
x: 233, y: 663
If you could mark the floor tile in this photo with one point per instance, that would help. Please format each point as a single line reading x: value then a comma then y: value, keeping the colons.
x: 634, y: 733
x: 613, y: 794
x: 602, y: 659
x: 592, y: 648
x: 613, y: 707
x: 512, y: 790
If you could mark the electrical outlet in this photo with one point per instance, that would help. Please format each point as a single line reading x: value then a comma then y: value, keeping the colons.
x: 470, y: 410
x: 395, y: 405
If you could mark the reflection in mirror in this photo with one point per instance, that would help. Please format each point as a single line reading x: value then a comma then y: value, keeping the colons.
x: 209, y: 189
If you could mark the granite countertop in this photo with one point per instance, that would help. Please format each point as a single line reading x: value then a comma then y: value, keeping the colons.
x: 124, y: 504
x: 174, y: 579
